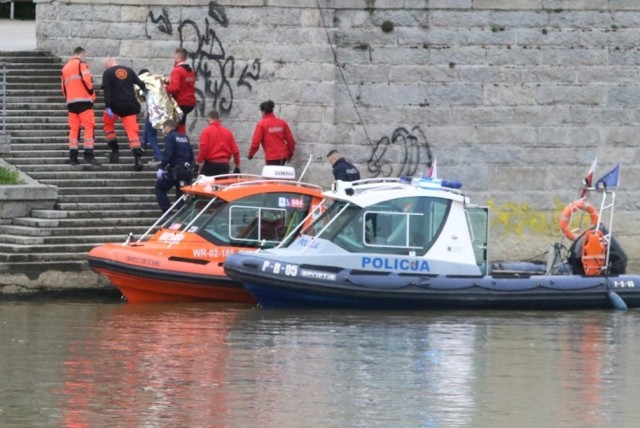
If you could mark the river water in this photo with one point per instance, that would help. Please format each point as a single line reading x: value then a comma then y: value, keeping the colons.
x: 98, y: 363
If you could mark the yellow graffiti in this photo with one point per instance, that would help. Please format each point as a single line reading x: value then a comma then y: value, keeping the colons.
x: 517, y: 219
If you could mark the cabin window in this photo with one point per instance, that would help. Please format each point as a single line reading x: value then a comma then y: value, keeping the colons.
x: 190, y: 217
x: 259, y: 220
x: 400, y: 226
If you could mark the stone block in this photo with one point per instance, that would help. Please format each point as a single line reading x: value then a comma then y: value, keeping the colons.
x: 19, y: 199
x: 5, y: 142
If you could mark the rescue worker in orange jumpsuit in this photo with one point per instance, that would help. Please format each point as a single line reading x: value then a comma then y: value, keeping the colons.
x: 274, y: 135
x: 77, y: 87
x: 120, y: 101
x: 182, y: 86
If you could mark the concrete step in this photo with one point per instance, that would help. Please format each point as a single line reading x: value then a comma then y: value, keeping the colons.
x: 21, y: 240
x: 144, y: 182
x: 9, y: 266
x: 51, y: 255
x: 148, y: 211
x: 35, y: 105
x: 61, y: 163
x: 88, y: 223
x: 12, y: 229
x: 49, y: 214
x: 48, y: 113
x: 36, y: 120
x: 123, y: 206
x: 97, y: 174
x: 16, y: 99
x: 30, y: 92
x: 72, y: 242
x: 28, y: 125
x: 35, y: 222
x: 46, y: 81
x: 67, y: 201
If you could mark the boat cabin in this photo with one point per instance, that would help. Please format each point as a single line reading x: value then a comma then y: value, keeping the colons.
x: 421, y: 218
x: 242, y: 210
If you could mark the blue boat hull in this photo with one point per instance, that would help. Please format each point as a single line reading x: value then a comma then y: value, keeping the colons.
x: 347, y: 289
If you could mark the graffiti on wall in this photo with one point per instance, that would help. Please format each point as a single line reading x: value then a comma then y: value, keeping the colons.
x: 401, y: 154
x: 218, y: 72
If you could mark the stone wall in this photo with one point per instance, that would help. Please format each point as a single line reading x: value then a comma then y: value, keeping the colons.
x: 513, y: 97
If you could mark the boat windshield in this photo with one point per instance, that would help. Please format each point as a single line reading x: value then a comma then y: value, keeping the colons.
x: 261, y: 220
x: 398, y: 226
x: 195, y: 208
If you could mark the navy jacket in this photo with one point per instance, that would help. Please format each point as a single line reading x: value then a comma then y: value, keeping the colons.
x: 119, y: 95
x: 345, y: 171
x: 177, y: 150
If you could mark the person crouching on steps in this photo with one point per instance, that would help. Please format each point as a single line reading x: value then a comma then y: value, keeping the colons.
x: 120, y: 101
x: 176, y: 167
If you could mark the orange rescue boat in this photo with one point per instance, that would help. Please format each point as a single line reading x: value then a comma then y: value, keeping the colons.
x: 216, y: 216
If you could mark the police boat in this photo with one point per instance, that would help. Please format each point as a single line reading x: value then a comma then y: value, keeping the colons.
x: 179, y: 258
x: 418, y: 243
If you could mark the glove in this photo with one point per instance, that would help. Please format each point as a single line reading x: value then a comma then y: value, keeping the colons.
x: 160, y: 174
x: 236, y: 170
x: 109, y: 112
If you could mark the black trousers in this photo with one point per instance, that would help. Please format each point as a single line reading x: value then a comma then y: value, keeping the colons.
x: 214, y: 168
x: 277, y: 162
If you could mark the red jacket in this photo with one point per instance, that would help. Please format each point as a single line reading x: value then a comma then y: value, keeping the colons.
x: 182, y: 84
x: 275, y: 136
x: 217, y: 144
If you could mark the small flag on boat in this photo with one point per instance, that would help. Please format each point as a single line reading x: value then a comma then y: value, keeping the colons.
x: 432, y: 170
x: 610, y: 179
x: 588, y: 180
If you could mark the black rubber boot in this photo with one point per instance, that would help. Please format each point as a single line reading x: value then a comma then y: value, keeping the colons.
x: 137, y: 158
x: 73, y: 157
x: 114, y: 156
x: 90, y: 158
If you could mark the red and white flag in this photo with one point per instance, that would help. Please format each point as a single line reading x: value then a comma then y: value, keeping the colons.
x: 432, y: 171
x: 588, y: 179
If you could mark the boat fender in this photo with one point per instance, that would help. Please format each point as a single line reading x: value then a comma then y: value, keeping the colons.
x: 568, y: 211
x: 617, y: 301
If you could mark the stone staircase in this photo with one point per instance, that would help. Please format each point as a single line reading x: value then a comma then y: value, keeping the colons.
x: 96, y: 204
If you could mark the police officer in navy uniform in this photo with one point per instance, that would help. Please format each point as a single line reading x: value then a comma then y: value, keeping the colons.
x: 342, y: 170
x: 176, y: 167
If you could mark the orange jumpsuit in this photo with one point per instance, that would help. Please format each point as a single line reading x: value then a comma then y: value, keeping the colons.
x: 77, y: 87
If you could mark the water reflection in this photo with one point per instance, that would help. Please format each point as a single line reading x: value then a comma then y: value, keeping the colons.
x: 147, y: 365
x: 223, y: 365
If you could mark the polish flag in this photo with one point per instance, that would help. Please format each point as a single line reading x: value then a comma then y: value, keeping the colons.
x: 588, y: 180
x: 432, y: 171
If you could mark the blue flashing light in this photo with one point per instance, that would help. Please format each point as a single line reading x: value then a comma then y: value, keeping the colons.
x: 452, y: 184
x: 436, y: 183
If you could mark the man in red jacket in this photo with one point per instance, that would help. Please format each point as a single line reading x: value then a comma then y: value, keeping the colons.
x: 182, y: 86
x: 217, y: 146
x: 274, y: 135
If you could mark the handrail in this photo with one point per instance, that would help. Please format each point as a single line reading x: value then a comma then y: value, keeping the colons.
x: 3, y: 74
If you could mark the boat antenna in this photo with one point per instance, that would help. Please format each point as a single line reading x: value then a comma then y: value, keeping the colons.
x: 305, y: 168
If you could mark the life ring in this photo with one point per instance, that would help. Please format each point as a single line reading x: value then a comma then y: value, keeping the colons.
x: 568, y: 211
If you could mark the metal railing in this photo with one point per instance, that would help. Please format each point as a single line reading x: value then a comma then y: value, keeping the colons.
x: 3, y: 77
